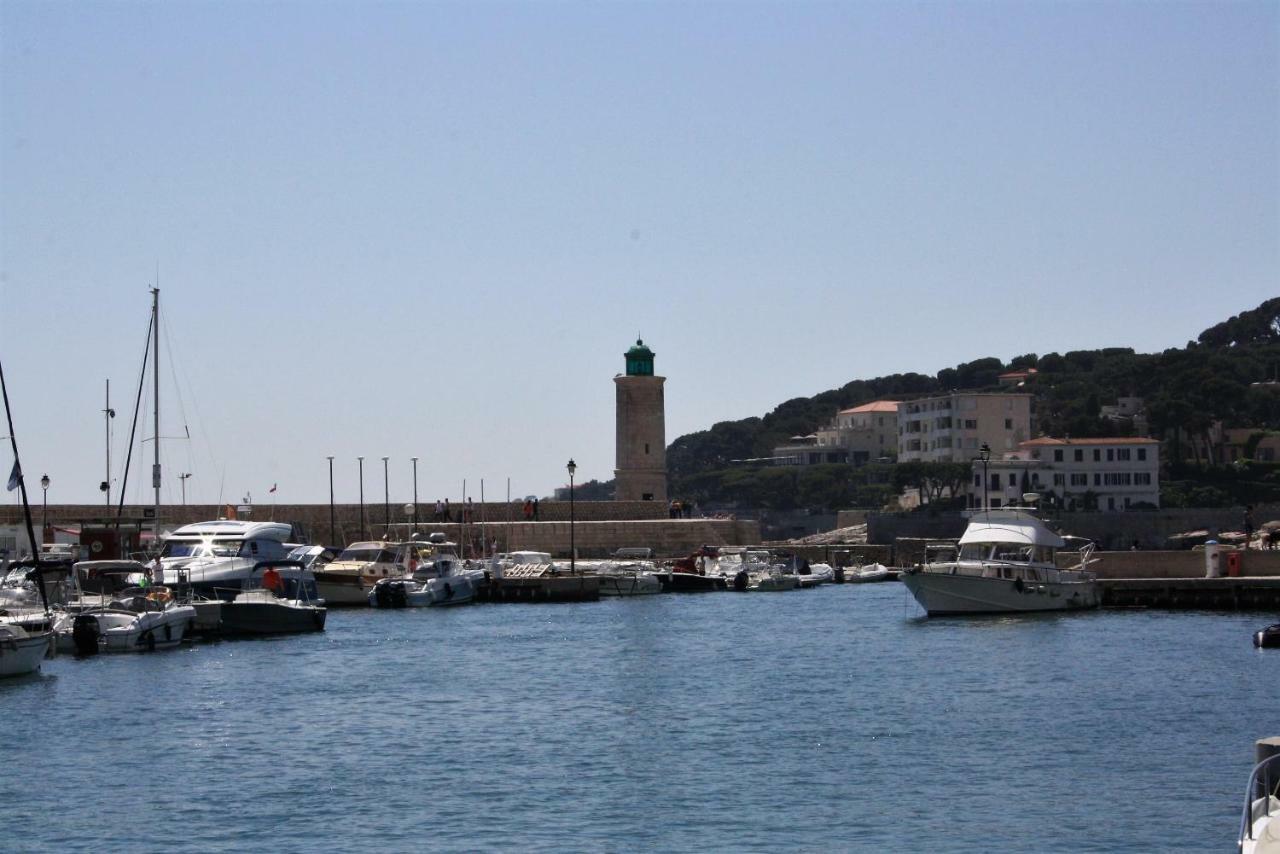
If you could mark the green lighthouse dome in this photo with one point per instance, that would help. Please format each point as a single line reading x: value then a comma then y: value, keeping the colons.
x: 639, y: 360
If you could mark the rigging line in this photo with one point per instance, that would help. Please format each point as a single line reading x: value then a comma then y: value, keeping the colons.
x: 166, y: 329
x: 195, y: 405
x: 133, y: 428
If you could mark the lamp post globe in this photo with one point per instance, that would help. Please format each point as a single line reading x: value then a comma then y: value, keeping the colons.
x: 44, y: 521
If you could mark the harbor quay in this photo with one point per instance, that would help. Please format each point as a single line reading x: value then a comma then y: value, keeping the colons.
x: 599, y: 528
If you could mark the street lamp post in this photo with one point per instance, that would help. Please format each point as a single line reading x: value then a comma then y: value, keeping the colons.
x: 44, y: 522
x: 573, y: 551
x: 182, y: 478
x: 415, y: 495
x: 984, y: 454
x: 333, y: 528
x: 361, y: 460
x: 386, y: 498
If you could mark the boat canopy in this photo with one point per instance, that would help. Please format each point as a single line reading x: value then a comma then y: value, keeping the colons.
x: 1022, y: 531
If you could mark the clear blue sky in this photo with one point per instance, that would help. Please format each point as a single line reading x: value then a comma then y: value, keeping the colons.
x: 432, y: 229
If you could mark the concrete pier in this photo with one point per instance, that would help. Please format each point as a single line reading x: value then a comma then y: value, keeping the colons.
x: 1213, y: 594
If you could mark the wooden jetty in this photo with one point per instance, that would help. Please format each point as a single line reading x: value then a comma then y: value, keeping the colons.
x: 1243, y: 593
x: 536, y: 584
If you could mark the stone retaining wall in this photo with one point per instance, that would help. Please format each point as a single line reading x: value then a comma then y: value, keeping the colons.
x: 1151, y: 529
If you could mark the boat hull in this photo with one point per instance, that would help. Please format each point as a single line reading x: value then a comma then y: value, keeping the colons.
x: 688, y: 582
x: 22, y: 655
x: 344, y: 590
x: 117, y: 631
x: 629, y: 585
x: 269, y: 618
x: 942, y: 594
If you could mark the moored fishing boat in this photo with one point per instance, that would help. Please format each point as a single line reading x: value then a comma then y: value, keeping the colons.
x: 1006, y: 563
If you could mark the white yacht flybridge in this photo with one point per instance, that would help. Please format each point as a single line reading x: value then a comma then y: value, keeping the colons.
x: 1005, y: 563
x: 217, y: 558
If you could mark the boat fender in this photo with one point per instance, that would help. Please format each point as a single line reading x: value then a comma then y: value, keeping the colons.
x: 1018, y: 585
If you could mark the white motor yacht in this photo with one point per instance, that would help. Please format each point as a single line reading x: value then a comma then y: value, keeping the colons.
x: 350, y: 578
x: 1006, y: 563
x: 1260, y: 821
x: 216, y: 559
x: 21, y: 651
x: 444, y: 580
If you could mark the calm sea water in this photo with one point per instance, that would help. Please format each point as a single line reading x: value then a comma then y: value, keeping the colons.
x: 831, y: 719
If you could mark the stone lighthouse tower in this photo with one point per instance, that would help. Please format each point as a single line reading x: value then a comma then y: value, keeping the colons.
x: 641, y: 473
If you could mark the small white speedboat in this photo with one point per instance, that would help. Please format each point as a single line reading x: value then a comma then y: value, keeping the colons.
x: 21, y: 651
x: 444, y: 581
x: 813, y: 574
x: 868, y: 573
x: 138, y: 620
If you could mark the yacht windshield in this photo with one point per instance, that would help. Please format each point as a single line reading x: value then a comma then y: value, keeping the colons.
x: 202, y: 548
x: 368, y: 555
x: 1009, y: 552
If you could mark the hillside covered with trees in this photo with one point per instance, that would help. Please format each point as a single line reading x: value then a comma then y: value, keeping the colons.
x: 1222, y: 376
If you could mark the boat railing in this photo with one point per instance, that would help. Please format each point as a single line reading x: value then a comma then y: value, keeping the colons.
x: 1261, y: 796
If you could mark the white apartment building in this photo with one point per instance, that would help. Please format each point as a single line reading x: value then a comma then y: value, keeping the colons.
x: 952, y: 427
x: 1118, y: 473
x: 868, y: 432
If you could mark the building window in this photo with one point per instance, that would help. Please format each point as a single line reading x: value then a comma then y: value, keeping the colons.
x: 1122, y: 454
x: 1035, y: 478
x: 1142, y: 478
x: 1111, y: 504
x: 1097, y: 479
x: 1079, y: 479
x: 1008, y: 424
x: 1097, y: 455
x: 977, y: 479
x: 1142, y: 455
x: 1057, y: 455
x: 1079, y: 455
x: 995, y: 480
x: 1059, y: 479
x: 1111, y: 455
x: 646, y: 447
x: 971, y: 424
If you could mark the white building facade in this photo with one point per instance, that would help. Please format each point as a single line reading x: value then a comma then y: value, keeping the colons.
x: 953, y: 427
x: 1109, y: 474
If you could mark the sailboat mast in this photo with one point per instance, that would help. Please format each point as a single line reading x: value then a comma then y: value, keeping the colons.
x: 106, y: 416
x: 26, y: 505
x: 155, y: 376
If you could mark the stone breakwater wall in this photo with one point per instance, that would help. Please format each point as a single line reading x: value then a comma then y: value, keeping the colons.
x: 600, y: 528
x: 1150, y: 528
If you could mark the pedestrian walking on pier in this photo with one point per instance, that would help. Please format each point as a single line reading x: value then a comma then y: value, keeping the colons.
x: 1248, y: 526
